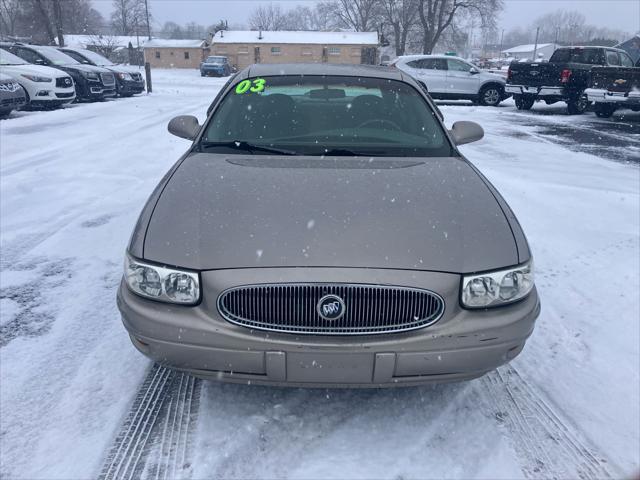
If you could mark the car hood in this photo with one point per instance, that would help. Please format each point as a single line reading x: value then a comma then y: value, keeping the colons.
x: 84, y: 68
x: 494, y: 76
x: 230, y: 211
x: 122, y: 69
x: 33, y: 70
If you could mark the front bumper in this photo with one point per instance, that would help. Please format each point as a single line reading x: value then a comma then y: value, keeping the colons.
x: 535, y: 91
x: 96, y: 91
x: 13, y: 100
x: 599, y: 95
x: 213, y: 71
x: 130, y: 87
x: 463, y: 344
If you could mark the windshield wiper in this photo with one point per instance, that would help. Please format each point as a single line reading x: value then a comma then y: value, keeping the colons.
x: 247, y: 147
x: 342, y: 152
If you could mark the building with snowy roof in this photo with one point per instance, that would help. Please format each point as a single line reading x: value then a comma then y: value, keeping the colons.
x: 530, y: 52
x: 168, y: 53
x: 245, y: 47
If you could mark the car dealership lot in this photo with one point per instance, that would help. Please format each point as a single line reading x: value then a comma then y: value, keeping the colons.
x: 78, y: 400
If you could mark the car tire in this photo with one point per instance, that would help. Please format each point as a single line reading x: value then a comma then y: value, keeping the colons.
x: 524, y: 103
x: 490, y: 96
x: 577, y: 105
x: 604, y: 110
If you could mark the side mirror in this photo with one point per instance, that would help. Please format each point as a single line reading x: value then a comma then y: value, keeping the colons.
x: 474, y: 71
x: 184, y: 126
x: 466, y: 132
x: 39, y: 61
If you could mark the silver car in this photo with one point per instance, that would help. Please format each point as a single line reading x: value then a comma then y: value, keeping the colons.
x: 453, y: 78
x: 324, y: 230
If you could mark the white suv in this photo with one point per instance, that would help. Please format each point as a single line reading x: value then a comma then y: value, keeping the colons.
x: 45, y: 86
x: 452, y: 78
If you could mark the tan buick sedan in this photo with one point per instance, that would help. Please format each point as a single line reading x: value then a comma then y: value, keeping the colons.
x: 324, y: 230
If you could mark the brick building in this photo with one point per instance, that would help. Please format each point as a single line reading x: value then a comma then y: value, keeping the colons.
x: 244, y: 48
x: 163, y: 53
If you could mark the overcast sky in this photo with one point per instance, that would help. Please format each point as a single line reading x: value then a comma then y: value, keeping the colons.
x: 622, y: 14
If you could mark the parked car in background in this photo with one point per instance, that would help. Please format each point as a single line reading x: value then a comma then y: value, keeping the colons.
x: 564, y: 77
x: 129, y: 80
x: 615, y: 87
x: 92, y: 83
x: 452, y: 78
x: 45, y: 87
x: 215, y: 65
x: 12, y: 95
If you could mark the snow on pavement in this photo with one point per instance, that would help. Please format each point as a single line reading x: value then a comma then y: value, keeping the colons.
x: 72, y: 184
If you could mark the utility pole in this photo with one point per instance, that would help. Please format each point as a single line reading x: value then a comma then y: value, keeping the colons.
x: 535, y: 48
x: 501, y: 43
x: 146, y: 11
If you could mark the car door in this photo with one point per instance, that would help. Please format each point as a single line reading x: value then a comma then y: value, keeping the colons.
x: 432, y: 72
x: 460, y: 80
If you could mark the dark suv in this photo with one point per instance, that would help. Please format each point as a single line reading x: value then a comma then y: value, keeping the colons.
x: 129, y: 81
x: 92, y: 83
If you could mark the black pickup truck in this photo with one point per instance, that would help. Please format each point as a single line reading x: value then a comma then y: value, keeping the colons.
x: 564, y: 77
x: 615, y: 87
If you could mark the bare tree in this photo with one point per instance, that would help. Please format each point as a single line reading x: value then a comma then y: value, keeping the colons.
x: 267, y: 17
x: 358, y: 15
x: 45, y: 17
x: 57, y: 21
x: 437, y: 15
x: 400, y: 15
x: 128, y: 16
x: 563, y: 25
x: 9, y: 11
x: 300, y: 18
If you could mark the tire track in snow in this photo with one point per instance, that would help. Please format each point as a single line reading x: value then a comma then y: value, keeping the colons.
x: 154, y: 440
x: 546, y: 446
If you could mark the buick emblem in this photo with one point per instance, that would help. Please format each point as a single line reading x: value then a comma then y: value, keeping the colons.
x: 331, y: 307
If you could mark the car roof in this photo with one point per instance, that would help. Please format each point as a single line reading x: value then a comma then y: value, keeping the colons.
x: 418, y: 56
x: 279, y: 69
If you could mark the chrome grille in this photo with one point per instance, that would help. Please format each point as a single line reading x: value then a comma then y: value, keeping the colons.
x: 292, y: 308
x: 108, y: 79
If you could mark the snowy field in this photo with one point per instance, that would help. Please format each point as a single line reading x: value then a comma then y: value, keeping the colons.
x: 78, y: 401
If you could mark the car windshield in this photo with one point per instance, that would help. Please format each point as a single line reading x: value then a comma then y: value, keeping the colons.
x: 56, y: 56
x: 332, y: 115
x: 215, y: 60
x: 589, y: 56
x: 7, y: 58
x: 96, y: 58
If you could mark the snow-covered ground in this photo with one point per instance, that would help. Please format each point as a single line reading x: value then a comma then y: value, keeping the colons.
x: 77, y: 401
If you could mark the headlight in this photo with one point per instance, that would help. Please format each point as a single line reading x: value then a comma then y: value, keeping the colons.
x: 125, y: 76
x: 91, y: 76
x: 161, y: 283
x: 36, y: 78
x: 497, y: 288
